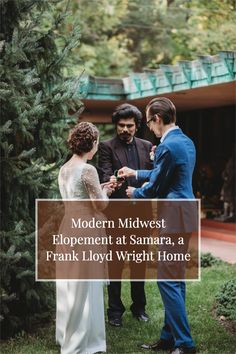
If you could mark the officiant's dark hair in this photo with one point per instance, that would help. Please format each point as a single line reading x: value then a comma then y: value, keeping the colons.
x: 125, y: 111
x: 82, y: 137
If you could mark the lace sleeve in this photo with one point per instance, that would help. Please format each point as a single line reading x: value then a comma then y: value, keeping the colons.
x: 91, y: 181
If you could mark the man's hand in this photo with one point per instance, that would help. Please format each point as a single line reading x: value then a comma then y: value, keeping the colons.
x: 129, y: 191
x: 126, y: 172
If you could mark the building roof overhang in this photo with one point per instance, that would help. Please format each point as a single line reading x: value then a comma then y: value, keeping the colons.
x: 205, y: 83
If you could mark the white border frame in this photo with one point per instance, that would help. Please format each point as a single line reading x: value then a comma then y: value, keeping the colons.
x: 126, y: 280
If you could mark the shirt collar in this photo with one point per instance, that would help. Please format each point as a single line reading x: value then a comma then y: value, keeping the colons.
x: 128, y: 144
x: 131, y: 143
x: 167, y: 132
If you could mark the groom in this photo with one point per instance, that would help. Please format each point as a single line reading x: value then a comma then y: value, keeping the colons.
x: 171, y: 178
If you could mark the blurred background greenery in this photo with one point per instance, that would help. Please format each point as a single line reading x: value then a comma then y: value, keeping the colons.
x: 119, y: 36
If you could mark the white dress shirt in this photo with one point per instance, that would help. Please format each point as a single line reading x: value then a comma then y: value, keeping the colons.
x: 167, y: 132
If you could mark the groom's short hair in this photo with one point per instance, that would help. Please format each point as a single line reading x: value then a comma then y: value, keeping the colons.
x: 125, y: 111
x: 164, y: 108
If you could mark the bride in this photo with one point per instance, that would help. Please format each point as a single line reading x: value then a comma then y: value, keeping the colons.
x: 80, y: 323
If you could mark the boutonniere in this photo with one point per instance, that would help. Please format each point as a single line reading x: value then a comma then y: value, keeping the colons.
x: 152, y: 153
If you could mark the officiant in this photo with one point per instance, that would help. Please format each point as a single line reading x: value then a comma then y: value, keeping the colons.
x: 125, y: 150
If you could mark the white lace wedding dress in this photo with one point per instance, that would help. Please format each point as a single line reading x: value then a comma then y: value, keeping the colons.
x: 80, y: 324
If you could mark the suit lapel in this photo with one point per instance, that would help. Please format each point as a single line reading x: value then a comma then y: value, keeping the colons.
x: 141, y: 154
x: 120, y: 152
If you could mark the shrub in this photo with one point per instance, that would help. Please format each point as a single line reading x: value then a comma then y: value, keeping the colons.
x: 208, y: 260
x: 226, y: 300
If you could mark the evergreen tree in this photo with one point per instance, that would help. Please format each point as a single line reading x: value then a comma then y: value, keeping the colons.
x: 35, y: 98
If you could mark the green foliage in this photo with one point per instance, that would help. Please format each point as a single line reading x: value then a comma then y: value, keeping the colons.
x: 209, y: 27
x: 226, y: 300
x: 103, y: 50
x: 121, y: 36
x: 210, y: 337
x: 35, y: 98
x: 106, y: 131
x: 23, y: 301
x: 208, y: 260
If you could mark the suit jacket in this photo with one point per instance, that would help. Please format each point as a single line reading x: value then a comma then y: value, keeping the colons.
x: 112, y: 156
x: 171, y: 178
x: 172, y: 172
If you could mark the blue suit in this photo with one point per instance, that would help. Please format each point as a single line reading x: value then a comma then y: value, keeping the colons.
x: 171, y: 178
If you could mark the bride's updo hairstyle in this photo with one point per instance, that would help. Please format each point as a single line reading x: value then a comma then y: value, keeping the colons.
x: 82, y: 137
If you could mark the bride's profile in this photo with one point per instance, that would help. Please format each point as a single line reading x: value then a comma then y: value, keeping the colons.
x: 80, y: 323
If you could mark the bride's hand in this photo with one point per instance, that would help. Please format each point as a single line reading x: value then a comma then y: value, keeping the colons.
x: 113, y: 180
x: 108, y: 187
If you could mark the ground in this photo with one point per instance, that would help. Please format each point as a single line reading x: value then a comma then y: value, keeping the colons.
x: 209, y: 334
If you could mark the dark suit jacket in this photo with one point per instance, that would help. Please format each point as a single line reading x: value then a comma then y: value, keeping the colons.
x: 171, y: 176
x: 112, y: 156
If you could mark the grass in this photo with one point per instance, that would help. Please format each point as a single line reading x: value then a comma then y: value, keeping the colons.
x: 209, y: 335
